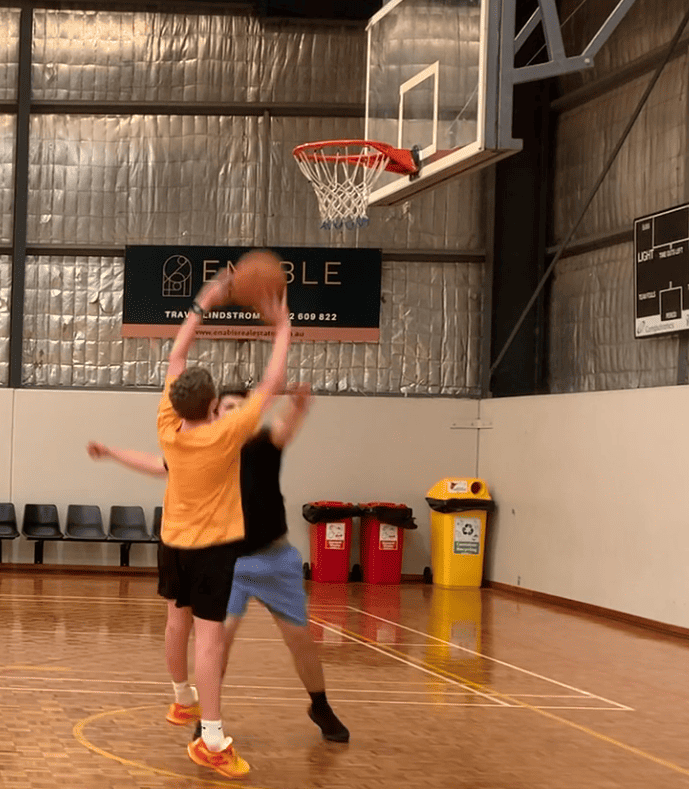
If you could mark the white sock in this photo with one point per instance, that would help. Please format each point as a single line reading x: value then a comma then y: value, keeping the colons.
x: 214, y: 736
x: 184, y: 693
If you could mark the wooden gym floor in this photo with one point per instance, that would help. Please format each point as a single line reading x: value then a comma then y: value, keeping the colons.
x: 450, y: 690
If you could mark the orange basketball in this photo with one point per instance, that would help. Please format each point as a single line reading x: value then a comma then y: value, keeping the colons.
x: 258, y: 275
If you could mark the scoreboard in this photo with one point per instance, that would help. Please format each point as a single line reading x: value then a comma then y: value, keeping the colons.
x: 661, y: 272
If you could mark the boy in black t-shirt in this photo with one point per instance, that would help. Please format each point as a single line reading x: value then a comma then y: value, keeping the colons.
x: 271, y: 571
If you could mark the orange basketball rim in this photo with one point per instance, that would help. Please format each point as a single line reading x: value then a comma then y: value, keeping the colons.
x: 343, y: 173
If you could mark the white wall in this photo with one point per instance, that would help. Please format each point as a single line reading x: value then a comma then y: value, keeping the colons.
x: 380, y: 449
x: 591, y: 488
x: 593, y: 497
x: 6, y: 404
x: 351, y: 449
x: 50, y: 464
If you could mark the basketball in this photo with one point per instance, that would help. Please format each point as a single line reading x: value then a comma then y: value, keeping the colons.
x: 258, y: 276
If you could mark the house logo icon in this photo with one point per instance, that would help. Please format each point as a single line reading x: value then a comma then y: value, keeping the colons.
x: 177, y: 277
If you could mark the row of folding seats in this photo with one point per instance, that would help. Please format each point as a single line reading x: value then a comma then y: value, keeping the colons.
x: 41, y: 523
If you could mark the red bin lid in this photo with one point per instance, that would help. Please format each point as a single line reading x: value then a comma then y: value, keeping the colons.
x: 384, y: 504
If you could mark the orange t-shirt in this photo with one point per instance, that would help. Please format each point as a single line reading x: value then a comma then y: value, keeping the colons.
x: 203, y: 504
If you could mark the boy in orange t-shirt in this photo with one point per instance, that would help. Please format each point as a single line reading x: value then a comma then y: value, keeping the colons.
x: 202, y: 517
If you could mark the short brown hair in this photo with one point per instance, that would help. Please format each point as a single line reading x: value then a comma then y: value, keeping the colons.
x: 192, y: 393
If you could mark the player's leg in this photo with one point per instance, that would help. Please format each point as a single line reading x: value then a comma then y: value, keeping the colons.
x: 310, y: 670
x: 304, y: 652
x: 210, y: 651
x: 185, y: 708
x: 212, y: 572
x: 177, y: 630
x: 280, y: 587
x: 236, y: 608
x: 231, y: 626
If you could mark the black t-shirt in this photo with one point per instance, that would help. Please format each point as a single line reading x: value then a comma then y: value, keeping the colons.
x: 265, y: 519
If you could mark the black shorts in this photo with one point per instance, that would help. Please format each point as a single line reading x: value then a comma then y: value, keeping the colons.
x: 199, y: 578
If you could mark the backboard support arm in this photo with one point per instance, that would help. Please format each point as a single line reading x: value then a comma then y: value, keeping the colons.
x: 558, y: 63
x: 498, y: 75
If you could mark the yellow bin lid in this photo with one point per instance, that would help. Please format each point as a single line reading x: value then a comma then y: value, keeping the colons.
x: 459, y: 488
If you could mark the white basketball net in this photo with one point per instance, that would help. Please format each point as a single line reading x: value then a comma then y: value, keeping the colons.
x: 343, y: 178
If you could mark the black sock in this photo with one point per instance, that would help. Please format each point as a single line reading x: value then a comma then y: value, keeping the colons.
x: 319, y: 701
x: 322, y: 715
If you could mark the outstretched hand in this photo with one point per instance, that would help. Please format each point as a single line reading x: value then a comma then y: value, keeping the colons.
x: 97, y: 451
x: 300, y: 396
x: 217, y: 291
x: 275, y: 311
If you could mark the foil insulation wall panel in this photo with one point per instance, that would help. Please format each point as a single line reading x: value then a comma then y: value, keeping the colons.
x: 649, y: 172
x: 313, y: 64
x: 144, y: 179
x: 592, y: 343
x: 122, y: 56
x: 9, y: 53
x: 430, y: 335
x: 7, y: 144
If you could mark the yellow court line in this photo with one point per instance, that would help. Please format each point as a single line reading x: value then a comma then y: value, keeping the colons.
x: 403, y: 689
x: 129, y: 600
x: 364, y: 640
x: 231, y: 682
x: 38, y: 598
x: 79, y: 736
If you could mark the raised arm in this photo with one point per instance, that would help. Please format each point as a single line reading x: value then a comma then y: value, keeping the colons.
x: 213, y: 293
x: 144, y: 462
x: 286, y: 426
x: 273, y: 381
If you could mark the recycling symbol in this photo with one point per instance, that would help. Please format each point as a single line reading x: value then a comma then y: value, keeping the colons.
x: 467, y: 529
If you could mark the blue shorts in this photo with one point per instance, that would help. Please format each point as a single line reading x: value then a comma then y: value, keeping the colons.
x: 275, y: 577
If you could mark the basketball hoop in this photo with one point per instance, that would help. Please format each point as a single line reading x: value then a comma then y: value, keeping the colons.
x: 343, y: 172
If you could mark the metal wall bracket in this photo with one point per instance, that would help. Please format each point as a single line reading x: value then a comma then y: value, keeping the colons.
x: 511, y: 41
x: 558, y: 63
x: 473, y: 424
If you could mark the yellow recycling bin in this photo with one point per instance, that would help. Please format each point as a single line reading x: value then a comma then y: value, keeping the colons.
x: 459, y: 512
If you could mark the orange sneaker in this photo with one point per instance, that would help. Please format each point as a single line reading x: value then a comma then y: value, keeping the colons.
x: 226, y: 762
x: 180, y: 715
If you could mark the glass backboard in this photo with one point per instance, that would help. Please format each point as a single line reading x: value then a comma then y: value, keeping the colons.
x: 432, y: 82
